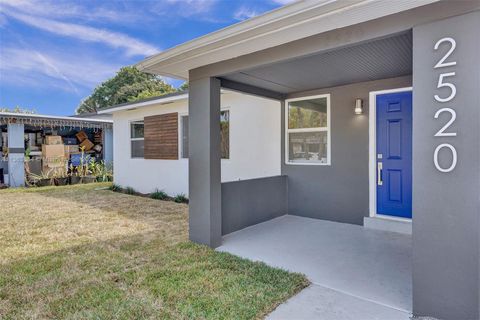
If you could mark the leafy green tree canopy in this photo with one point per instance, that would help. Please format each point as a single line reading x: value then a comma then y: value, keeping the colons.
x: 17, y: 109
x: 183, y: 87
x: 129, y: 84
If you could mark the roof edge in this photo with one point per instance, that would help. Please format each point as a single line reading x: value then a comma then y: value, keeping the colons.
x: 172, y: 97
x: 276, y: 27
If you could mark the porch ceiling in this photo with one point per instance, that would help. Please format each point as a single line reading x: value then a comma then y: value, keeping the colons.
x: 378, y: 59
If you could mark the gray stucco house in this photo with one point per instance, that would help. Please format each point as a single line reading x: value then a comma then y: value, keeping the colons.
x: 380, y: 125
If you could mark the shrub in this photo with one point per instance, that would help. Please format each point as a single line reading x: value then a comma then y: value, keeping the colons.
x: 115, y: 187
x: 181, y: 198
x: 159, y: 195
x: 130, y: 190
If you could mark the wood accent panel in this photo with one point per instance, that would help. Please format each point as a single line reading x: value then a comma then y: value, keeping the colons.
x: 161, y: 136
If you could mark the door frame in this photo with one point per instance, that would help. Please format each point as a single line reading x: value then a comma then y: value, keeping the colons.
x: 372, y: 152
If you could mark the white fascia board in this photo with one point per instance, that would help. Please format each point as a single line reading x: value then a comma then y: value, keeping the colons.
x: 42, y: 116
x: 144, y: 104
x: 295, y: 21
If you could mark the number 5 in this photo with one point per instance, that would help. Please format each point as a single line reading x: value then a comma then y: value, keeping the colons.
x: 442, y: 84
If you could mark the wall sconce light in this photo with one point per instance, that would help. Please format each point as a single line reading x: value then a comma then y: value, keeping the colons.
x: 358, y: 106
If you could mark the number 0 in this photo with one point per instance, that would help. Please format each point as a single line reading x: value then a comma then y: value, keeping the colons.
x: 454, y: 157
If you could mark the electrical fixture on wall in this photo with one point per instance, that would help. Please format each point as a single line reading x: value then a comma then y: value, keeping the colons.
x: 358, y: 106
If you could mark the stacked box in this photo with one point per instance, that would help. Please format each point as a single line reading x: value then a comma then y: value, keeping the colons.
x: 86, y: 145
x: 81, y: 135
x: 53, y: 156
x: 70, y: 141
x: 52, y: 140
x: 69, y: 149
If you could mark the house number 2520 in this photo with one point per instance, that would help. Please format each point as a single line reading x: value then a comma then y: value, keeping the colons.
x: 443, y: 82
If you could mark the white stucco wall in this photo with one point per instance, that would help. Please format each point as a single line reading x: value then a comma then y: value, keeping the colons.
x: 254, y: 145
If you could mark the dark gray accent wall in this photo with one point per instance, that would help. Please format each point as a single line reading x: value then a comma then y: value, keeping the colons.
x: 446, y: 205
x: 248, y: 202
x: 338, y: 192
x: 205, y: 215
x: 16, y: 150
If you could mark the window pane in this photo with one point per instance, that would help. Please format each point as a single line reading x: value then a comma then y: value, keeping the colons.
x: 137, y: 148
x: 225, y: 134
x: 184, y: 125
x: 308, y: 147
x: 137, y: 129
x: 311, y: 113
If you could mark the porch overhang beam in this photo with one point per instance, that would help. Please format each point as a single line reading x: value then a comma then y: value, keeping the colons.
x: 252, y: 90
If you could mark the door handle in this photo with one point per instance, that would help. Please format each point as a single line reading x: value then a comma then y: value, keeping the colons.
x: 379, y: 173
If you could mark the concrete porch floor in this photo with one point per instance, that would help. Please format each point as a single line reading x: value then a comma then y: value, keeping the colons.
x: 356, y: 273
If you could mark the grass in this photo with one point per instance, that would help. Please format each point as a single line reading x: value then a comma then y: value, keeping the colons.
x: 159, y: 195
x: 180, y: 198
x: 78, y: 252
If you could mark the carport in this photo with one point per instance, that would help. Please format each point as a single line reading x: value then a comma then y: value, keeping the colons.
x: 353, y: 62
x: 22, y: 136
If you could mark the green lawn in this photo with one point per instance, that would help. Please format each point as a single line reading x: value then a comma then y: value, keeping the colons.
x: 81, y: 253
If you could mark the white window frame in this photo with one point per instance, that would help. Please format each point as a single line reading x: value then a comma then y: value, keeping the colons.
x: 327, y: 129
x: 135, y: 139
x: 180, y: 131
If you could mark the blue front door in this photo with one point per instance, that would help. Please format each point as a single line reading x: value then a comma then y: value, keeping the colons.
x: 394, y: 154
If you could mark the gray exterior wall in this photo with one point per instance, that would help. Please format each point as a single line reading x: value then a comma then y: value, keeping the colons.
x: 446, y: 205
x: 248, y: 202
x: 338, y: 192
x: 204, y: 178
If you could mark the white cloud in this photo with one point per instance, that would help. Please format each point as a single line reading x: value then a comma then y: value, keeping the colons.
x: 47, y: 69
x: 47, y: 15
x: 61, y: 9
x: 202, y: 10
x: 283, y: 2
x: 244, y: 13
x: 113, y: 39
x: 192, y: 7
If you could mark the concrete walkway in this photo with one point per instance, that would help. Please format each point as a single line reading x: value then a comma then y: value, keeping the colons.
x: 356, y: 273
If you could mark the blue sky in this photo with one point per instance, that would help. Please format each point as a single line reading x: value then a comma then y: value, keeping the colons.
x: 53, y: 53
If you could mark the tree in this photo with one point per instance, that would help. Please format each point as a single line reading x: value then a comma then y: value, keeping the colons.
x: 17, y: 109
x: 183, y: 87
x: 129, y: 84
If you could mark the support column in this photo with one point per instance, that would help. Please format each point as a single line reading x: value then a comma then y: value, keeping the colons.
x: 205, y: 214
x: 108, y: 146
x: 446, y: 205
x: 16, y: 155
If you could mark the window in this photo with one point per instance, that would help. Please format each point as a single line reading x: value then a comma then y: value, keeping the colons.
x: 184, y: 125
x: 308, y: 130
x: 224, y: 134
x: 137, y: 139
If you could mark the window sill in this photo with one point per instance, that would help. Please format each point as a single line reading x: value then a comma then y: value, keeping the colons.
x: 307, y: 164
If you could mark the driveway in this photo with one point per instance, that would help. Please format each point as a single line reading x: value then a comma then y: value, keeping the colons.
x: 356, y: 273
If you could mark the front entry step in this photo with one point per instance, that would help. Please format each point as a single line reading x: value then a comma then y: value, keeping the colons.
x: 378, y: 223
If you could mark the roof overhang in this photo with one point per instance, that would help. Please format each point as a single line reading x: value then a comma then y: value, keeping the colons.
x: 48, y: 117
x: 289, y: 23
x: 46, y: 120
x: 144, y: 103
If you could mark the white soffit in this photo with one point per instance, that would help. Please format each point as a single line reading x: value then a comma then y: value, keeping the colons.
x: 295, y: 21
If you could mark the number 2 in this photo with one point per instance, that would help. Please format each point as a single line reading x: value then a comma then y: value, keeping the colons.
x: 441, y: 132
x: 442, y: 63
